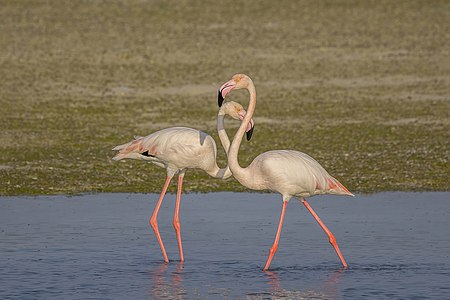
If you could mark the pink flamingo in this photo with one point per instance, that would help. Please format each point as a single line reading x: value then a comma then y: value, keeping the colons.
x: 177, y: 149
x: 288, y: 172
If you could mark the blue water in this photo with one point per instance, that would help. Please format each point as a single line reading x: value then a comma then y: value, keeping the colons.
x: 101, y: 246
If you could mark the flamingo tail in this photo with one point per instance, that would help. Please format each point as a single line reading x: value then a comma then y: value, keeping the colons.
x: 132, y: 149
x: 337, y: 188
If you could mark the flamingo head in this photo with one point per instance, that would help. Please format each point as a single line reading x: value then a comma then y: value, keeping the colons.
x: 237, y: 112
x: 238, y: 81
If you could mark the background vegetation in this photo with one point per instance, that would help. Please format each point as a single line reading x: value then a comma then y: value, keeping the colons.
x: 362, y: 86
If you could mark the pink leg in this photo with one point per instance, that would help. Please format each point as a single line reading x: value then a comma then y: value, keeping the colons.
x: 274, y: 247
x: 154, y: 221
x: 331, y: 237
x: 176, y: 217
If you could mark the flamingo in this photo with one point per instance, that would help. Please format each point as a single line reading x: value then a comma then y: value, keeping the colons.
x: 177, y: 149
x: 288, y: 172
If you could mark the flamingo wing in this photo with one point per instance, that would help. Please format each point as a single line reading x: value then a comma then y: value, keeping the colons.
x: 295, y: 173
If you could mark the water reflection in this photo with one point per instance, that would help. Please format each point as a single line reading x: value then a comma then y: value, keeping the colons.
x: 330, y: 287
x: 273, y: 280
x: 158, y: 284
x: 327, y: 290
x: 161, y: 288
x: 167, y: 281
x: 177, y: 278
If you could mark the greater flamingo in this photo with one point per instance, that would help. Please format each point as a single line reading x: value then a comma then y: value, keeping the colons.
x: 288, y: 172
x: 177, y: 149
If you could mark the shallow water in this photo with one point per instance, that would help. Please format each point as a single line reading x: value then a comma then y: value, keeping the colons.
x: 101, y: 247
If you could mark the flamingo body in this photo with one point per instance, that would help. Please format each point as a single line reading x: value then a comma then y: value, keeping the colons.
x: 175, y: 148
x: 291, y: 173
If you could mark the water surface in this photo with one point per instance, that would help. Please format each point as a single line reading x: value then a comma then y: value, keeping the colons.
x: 101, y: 246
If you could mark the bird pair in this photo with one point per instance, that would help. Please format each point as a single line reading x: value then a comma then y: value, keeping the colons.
x: 288, y: 172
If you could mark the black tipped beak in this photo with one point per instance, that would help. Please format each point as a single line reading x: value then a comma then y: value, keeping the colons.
x: 250, y: 133
x: 219, y: 98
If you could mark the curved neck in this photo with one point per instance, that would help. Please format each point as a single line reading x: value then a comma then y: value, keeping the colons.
x: 222, y: 173
x: 223, y: 136
x: 233, y: 163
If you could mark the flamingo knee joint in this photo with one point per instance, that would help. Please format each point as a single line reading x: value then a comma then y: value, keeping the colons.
x: 176, y: 225
x: 332, y: 239
x: 154, y: 223
x: 273, y: 249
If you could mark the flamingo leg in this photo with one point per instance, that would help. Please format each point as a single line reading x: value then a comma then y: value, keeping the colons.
x: 331, y: 237
x: 176, y: 217
x: 274, y: 247
x: 154, y: 221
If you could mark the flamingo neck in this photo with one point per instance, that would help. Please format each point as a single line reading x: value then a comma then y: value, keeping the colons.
x: 239, y: 172
x: 223, y: 136
x: 221, y: 173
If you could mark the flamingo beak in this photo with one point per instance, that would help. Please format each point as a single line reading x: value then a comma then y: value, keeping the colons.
x: 220, y: 98
x: 251, y: 125
x: 224, y: 90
